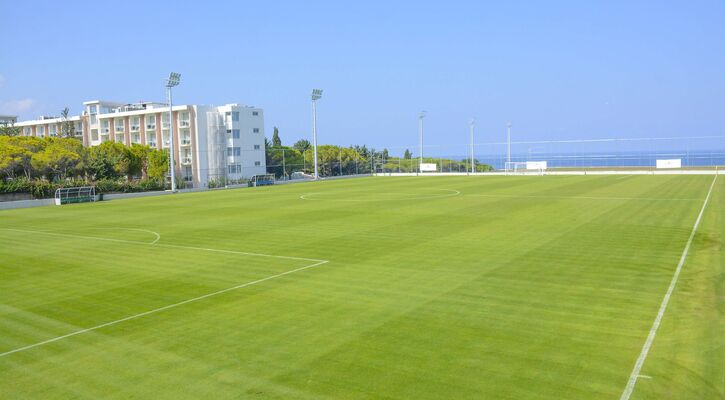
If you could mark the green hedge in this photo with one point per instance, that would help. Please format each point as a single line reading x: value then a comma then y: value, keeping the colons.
x: 41, y: 189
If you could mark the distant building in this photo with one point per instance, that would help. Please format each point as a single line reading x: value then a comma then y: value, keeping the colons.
x: 210, y: 143
x: 7, y: 120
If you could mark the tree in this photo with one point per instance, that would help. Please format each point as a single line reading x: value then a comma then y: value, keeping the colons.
x: 302, y: 145
x: 30, y: 145
x: 108, y: 160
x: 276, y: 141
x: 158, y: 164
x: 67, y: 127
x: 140, y: 155
x: 12, y: 157
x: 55, y: 161
x: 408, y: 155
x: 9, y: 130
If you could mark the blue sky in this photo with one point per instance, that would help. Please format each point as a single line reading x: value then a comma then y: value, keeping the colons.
x: 556, y: 69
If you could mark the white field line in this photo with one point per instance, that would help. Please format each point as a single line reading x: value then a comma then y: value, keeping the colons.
x: 581, y: 197
x: 158, y: 237
x: 451, y: 193
x: 155, y: 243
x: 656, y: 324
x: 118, y: 321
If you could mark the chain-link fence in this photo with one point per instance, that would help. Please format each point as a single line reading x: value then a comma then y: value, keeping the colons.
x: 699, y: 152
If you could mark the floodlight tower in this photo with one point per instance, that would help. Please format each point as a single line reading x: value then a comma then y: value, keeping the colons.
x: 420, y: 131
x: 472, y: 123
x: 508, y: 147
x: 316, y: 95
x: 173, y: 80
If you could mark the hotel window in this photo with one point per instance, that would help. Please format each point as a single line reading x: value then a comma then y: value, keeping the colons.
x: 135, y: 123
x: 41, y: 131
x: 257, y: 163
x: 234, y: 151
x: 235, y: 169
x: 255, y: 130
x: 255, y: 113
x: 235, y: 116
x: 27, y: 131
x: 235, y: 134
x: 256, y: 147
x: 184, y: 119
x: 119, y: 125
x: 151, y: 122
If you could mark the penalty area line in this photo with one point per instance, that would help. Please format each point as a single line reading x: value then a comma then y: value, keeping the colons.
x: 663, y: 306
x: 156, y: 243
x: 164, y: 308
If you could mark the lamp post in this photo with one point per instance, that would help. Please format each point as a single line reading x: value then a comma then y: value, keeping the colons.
x: 173, y: 80
x: 316, y: 95
x: 420, y: 131
x: 472, y: 123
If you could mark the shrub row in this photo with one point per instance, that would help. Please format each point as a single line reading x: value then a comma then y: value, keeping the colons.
x: 41, y: 189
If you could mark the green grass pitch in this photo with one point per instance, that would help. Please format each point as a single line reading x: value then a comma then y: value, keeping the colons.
x: 391, y: 288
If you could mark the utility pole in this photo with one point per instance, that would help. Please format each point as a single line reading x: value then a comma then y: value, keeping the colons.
x: 508, y: 151
x: 316, y: 95
x: 173, y: 80
x: 473, y: 159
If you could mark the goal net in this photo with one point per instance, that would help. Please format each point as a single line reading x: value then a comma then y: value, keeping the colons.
x: 75, y: 195
x: 525, y: 167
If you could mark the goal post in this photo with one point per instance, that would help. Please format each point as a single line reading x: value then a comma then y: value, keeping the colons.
x: 72, y: 195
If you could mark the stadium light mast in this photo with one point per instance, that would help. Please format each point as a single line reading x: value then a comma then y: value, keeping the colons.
x: 173, y: 80
x: 508, y: 147
x: 472, y: 124
x: 420, y: 131
x: 316, y: 95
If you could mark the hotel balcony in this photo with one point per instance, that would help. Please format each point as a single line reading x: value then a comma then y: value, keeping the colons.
x: 186, y: 160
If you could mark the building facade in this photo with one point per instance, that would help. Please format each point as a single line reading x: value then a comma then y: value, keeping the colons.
x: 212, y: 144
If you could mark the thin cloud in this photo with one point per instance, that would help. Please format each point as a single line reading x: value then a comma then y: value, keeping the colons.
x: 14, y: 107
x: 2, y: 80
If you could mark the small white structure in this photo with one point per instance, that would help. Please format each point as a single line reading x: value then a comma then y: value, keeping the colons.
x: 536, y: 165
x: 671, y: 163
x: 428, y: 167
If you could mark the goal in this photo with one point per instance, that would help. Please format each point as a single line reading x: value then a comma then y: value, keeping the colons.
x: 71, y: 195
x: 515, y: 167
x: 526, y: 168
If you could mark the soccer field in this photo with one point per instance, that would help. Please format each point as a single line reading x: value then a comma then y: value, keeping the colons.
x: 541, y: 287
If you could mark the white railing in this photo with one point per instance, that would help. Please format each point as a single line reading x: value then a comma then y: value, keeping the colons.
x: 135, y: 127
x: 184, y: 124
x: 150, y: 126
x: 185, y: 142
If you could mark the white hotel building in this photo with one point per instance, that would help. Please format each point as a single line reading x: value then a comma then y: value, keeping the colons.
x: 210, y: 142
